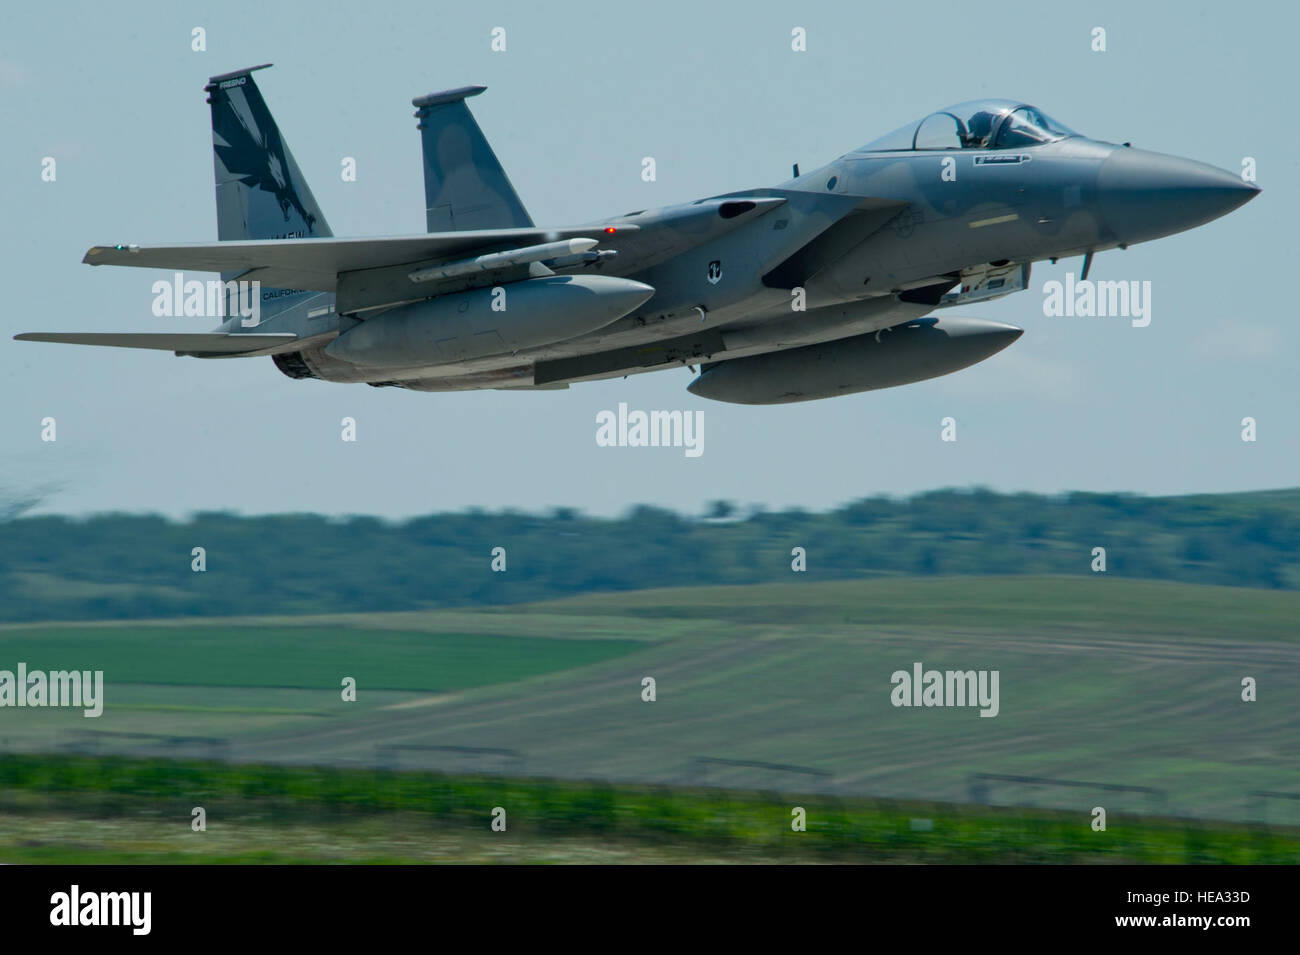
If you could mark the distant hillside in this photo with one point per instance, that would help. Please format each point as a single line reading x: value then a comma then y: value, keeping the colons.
x: 129, y: 566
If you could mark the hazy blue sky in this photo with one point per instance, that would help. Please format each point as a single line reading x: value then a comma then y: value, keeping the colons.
x: 715, y: 94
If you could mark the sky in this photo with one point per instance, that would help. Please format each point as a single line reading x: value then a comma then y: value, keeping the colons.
x: 714, y: 92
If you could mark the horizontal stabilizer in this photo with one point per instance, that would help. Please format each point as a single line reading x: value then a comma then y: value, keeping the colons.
x: 193, y: 343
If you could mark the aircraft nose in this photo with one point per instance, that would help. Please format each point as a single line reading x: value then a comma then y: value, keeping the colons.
x: 1147, y: 195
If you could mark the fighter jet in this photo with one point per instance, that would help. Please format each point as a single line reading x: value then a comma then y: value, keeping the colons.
x: 833, y: 282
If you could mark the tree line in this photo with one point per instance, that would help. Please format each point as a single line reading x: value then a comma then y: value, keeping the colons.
x: 126, y: 566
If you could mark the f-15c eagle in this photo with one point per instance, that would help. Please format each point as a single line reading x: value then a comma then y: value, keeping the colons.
x: 823, y: 285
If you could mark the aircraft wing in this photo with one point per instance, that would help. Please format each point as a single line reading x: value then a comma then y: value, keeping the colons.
x: 368, y: 273
x: 191, y: 343
x: 316, y: 264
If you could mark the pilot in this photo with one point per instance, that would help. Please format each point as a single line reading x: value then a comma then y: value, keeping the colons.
x: 979, y: 129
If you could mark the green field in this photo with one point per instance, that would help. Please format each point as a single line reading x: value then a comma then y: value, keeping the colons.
x: 1102, y: 681
x: 74, y: 809
x: 299, y: 657
x: 1002, y: 604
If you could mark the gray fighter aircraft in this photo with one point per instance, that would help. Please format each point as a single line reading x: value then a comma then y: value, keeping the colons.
x: 820, y: 286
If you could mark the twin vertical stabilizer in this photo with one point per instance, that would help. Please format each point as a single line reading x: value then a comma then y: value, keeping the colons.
x: 464, y: 184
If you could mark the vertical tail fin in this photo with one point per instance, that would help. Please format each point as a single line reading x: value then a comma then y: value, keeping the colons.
x: 464, y: 184
x: 261, y: 192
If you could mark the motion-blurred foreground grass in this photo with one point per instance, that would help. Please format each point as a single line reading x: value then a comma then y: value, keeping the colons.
x: 91, y: 810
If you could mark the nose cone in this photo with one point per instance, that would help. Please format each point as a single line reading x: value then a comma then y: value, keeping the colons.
x: 1146, y: 195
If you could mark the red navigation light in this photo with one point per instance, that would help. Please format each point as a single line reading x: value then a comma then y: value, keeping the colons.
x: 610, y: 230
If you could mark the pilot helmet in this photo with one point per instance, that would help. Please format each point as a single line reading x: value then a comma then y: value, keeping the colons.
x: 980, y: 129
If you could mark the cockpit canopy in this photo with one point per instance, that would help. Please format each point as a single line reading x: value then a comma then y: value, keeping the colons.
x: 979, y: 124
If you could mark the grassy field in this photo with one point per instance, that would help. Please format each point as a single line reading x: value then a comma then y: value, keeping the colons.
x: 75, y: 809
x: 1102, y: 681
x: 299, y: 657
x: 1002, y: 604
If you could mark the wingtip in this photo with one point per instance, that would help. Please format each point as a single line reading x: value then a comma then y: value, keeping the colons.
x: 92, y: 256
